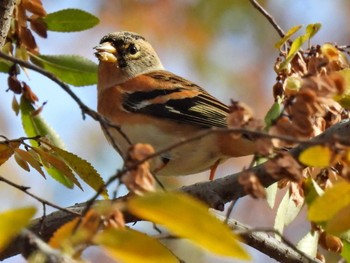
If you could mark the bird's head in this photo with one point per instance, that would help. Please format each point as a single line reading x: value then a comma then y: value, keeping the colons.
x: 127, y: 54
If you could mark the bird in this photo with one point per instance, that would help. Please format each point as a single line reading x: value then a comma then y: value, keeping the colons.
x: 154, y: 106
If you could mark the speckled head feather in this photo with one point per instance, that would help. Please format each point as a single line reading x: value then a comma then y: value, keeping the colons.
x: 121, y: 38
x: 131, y: 55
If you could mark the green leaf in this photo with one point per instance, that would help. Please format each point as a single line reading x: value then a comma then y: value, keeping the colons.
x: 290, y: 32
x: 309, y: 243
x: 311, y: 190
x: 328, y: 205
x: 36, y: 125
x: 12, y: 222
x: 271, y: 192
x: 273, y: 113
x: 311, y: 30
x: 70, y: 20
x: 83, y: 169
x: 73, y: 69
x: 286, y: 213
x: 294, y: 49
x: 186, y: 217
x: 5, y: 65
x: 130, y: 246
x: 316, y: 156
x: 345, y: 253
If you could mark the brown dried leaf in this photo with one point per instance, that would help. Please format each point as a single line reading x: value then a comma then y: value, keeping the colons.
x: 29, y: 158
x: 21, y: 163
x: 51, y: 160
x: 284, y: 166
x: 333, y: 114
x: 315, y: 64
x: 283, y: 126
x: 21, y: 16
x: 114, y: 218
x: 240, y: 114
x: 252, y: 185
x: 6, y: 150
x: 325, y: 86
x: 38, y: 26
x: 296, y: 193
x: 331, y: 243
x: 14, y: 84
x: 34, y: 6
x: 264, y: 146
x: 278, y: 90
x: 29, y: 94
x: 139, y: 180
x: 27, y: 39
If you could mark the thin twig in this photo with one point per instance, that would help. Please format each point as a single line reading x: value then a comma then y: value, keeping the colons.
x: 268, y: 17
x: 85, y: 109
x: 41, y: 200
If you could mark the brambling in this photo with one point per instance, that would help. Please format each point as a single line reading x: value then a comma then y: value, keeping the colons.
x: 155, y: 106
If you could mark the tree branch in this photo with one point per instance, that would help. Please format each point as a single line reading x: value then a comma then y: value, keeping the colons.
x: 268, y: 17
x: 215, y: 193
x: 6, y: 10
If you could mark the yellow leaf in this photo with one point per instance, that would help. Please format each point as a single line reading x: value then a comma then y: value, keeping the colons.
x: 12, y: 222
x: 316, y: 156
x: 72, y: 238
x: 328, y: 205
x: 334, y: 54
x: 290, y: 32
x: 62, y: 234
x: 6, y: 151
x: 130, y: 246
x: 83, y: 169
x: 340, y: 222
x: 344, y: 99
x: 188, y: 218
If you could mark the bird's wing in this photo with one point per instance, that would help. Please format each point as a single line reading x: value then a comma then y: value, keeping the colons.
x: 163, y: 94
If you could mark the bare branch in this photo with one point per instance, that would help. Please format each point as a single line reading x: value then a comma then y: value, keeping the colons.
x: 283, y: 251
x: 25, y: 189
x: 268, y: 17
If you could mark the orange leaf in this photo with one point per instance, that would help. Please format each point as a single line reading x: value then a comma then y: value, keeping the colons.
x: 34, y: 6
x: 6, y: 151
x: 29, y: 158
x: 57, y: 163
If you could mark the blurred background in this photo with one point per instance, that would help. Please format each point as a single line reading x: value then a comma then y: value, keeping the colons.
x: 227, y: 47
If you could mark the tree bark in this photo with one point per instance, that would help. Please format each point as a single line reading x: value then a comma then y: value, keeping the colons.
x: 6, y: 11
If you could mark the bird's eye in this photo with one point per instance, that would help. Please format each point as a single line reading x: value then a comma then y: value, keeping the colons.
x: 132, y: 49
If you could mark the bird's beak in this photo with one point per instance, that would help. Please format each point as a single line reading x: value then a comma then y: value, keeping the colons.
x: 106, y: 52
